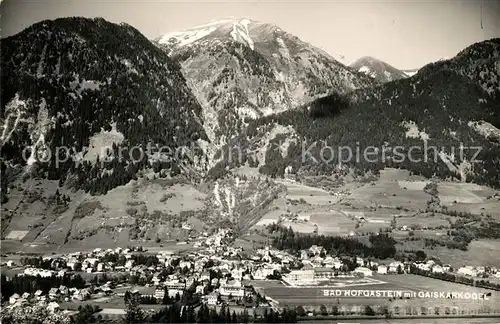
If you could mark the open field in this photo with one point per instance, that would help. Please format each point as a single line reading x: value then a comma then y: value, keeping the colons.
x: 469, y: 198
x: 395, y: 196
x: 33, y: 223
x: 315, y: 296
x: 313, y: 196
x: 480, y: 252
x: 16, y: 235
x: 388, y: 194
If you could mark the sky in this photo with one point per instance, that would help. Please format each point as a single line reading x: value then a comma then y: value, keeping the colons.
x: 405, y: 34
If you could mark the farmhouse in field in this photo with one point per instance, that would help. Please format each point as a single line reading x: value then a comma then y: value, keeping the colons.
x: 364, y: 271
x: 382, y: 269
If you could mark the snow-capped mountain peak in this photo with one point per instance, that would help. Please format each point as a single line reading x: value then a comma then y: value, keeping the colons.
x: 241, y: 69
x: 377, y: 69
x: 238, y: 29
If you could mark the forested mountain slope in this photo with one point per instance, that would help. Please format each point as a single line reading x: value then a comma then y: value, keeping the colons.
x: 85, y: 84
x: 438, y: 110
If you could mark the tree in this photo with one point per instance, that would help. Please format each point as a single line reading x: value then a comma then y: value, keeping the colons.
x: 393, y: 222
x: 420, y: 255
x: 369, y: 310
x: 134, y: 312
x: 166, y: 297
x: 300, y: 311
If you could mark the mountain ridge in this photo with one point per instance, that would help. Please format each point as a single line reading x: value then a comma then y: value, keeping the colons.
x: 404, y: 112
x: 241, y: 70
x: 377, y: 69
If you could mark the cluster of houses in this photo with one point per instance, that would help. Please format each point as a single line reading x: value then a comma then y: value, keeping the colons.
x: 217, y: 272
x: 62, y: 293
x: 191, y: 270
x: 319, y: 267
x: 479, y: 271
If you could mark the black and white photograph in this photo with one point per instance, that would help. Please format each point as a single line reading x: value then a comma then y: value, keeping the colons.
x: 237, y: 161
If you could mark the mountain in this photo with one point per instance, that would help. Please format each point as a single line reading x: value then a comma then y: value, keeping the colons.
x: 84, y: 84
x: 377, y: 69
x: 443, y: 107
x: 240, y: 69
x: 479, y: 62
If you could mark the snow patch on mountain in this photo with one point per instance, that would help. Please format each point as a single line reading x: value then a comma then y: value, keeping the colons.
x: 377, y: 69
x: 366, y: 70
x: 186, y: 37
x: 410, y: 73
x: 240, y: 33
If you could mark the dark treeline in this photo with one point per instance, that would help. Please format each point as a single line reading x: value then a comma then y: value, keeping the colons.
x: 181, y: 314
x: 329, y: 106
x: 186, y: 312
x: 382, y: 245
x: 30, y: 284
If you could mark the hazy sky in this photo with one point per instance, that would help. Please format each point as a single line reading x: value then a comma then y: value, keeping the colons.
x: 406, y: 34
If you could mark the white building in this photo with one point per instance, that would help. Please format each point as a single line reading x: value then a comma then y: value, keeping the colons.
x: 316, y: 250
x: 364, y: 271
x: 38, y: 272
x: 467, y: 271
x: 262, y: 273
x: 159, y: 293
x: 201, y: 289
x: 186, y: 264
x: 233, y: 288
x: 129, y: 264
x: 213, y: 298
x: 13, y: 299
x: 300, y: 276
x: 395, y: 266
x: 53, y: 307
x: 382, y: 269
x: 437, y: 269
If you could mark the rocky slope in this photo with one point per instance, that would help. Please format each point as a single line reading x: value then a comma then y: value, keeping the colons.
x: 242, y: 70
